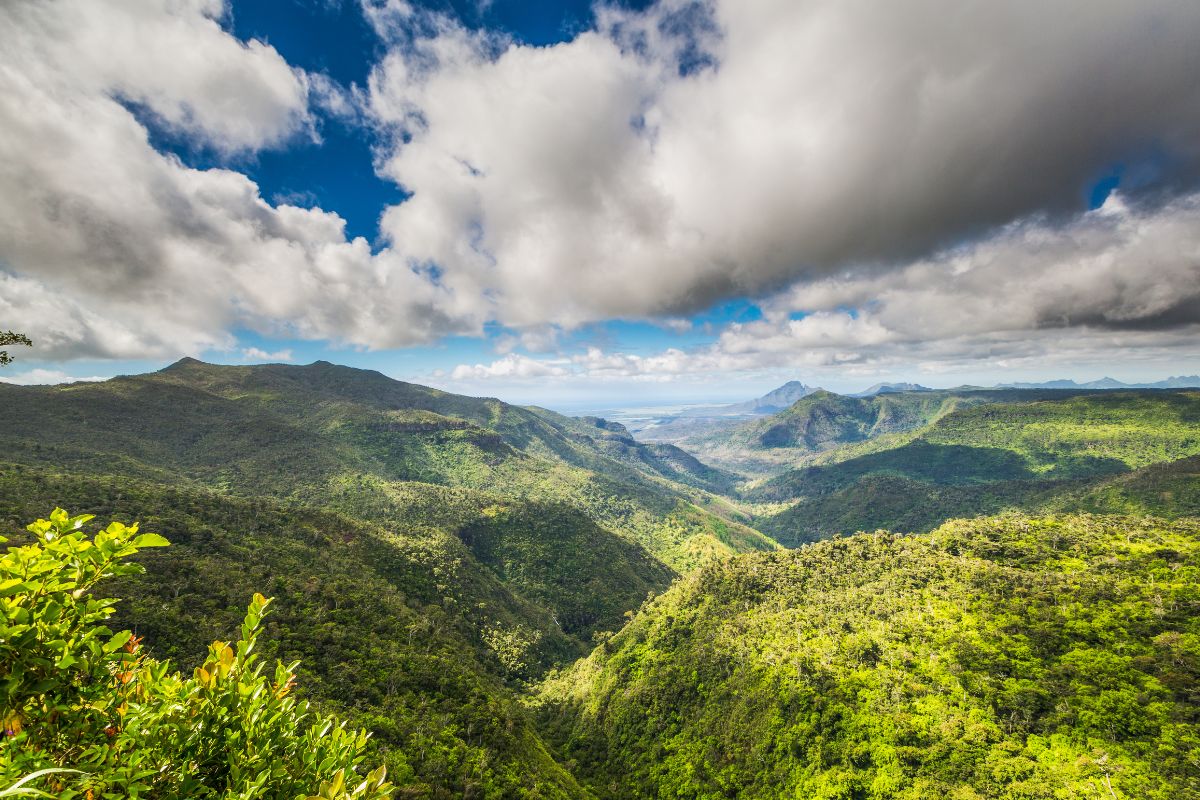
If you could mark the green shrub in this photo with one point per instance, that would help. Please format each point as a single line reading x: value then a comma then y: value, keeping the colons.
x: 87, y: 713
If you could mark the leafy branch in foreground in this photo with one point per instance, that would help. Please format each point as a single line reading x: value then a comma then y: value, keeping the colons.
x: 87, y: 713
x: 10, y: 337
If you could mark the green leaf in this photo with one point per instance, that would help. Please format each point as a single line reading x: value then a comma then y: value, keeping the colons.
x: 15, y: 586
x: 117, y: 642
x: 19, y: 787
x: 150, y: 540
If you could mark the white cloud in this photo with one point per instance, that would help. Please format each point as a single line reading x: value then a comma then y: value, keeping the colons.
x: 111, y: 249
x: 171, y: 57
x: 591, y: 179
x: 511, y: 366
x: 677, y: 324
x: 829, y: 147
x: 36, y: 377
x: 539, y: 339
x: 255, y: 354
x: 1118, y: 284
x: 1116, y: 269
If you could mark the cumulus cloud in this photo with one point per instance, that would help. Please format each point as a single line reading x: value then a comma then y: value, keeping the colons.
x: 1120, y: 282
x: 813, y: 152
x: 256, y: 354
x: 111, y: 249
x: 35, y: 377
x: 1116, y: 269
x: 700, y: 150
x: 540, y: 339
x: 511, y: 366
x: 170, y: 57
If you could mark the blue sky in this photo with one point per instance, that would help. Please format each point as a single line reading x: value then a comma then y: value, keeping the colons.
x: 589, y: 205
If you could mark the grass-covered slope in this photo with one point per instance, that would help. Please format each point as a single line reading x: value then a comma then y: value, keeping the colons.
x: 1056, y: 454
x: 1083, y: 435
x: 824, y: 421
x: 824, y: 426
x: 996, y: 658
x: 306, y: 434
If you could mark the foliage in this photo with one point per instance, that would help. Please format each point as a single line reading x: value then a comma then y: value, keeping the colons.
x: 435, y: 556
x: 1008, y: 657
x: 302, y: 434
x: 9, y: 338
x: 1057, y: 454
x: 1084, y: 435
x: 391, y: 631
x: 1064, y: 431
x: 96, y: 716
x: 1170, y: 489
x: 824, y: 421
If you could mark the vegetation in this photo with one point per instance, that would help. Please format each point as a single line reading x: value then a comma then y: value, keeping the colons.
x: 983, y: 459
x: 1008, y: 657
x: 10, y: 338
x: 1171, y: 489
x: 442, y: 566
x: 824, y: 427
x: 823, y: 421
x: 407, y: 637
x: 323, y: 435
x: 87, y: 713
x: 1083, y: 435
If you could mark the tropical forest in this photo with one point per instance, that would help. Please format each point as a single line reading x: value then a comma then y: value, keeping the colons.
x: 599, y: 400
x: 978, y: 594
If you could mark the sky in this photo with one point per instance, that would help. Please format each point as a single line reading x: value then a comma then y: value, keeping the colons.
x: 595, y: 205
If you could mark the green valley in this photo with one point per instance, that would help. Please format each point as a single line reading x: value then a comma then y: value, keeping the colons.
x: 599, y: 400
x: 1048, y: 453
x: 517, y: 603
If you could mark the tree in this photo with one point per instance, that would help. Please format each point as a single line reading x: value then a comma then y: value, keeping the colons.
x: 10, y: 337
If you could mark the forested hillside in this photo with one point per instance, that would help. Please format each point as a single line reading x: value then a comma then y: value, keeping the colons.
x: 407, y: 635
x: 1007, y: 657
x: 1056, y: 453
x: 429, y: 553
x: 352, y: 439
x: 823, y: 421
x: 88, y: 713
x: 522, y: 604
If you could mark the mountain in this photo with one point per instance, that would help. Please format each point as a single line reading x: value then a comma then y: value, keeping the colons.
x: 822, y: 421
x: 401, y: 631
x: 1174, y: 382
x: 522, y: 604
x: 844, y: 426
x: 892, y: 388
x: 1177, y: 382
x: 328, y: 434
x: 1001, y: 657
x: 693, y: 423
x: 1059, y: 454
x: 429, y: 553
x: 705, y: 431
x: 774, y: 400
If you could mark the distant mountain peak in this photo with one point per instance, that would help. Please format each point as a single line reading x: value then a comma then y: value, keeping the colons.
x: 1174, y: 382
x: 187, y: 362
x: 892, y: 388
x: 784, y: 396
x: 775, y: 400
